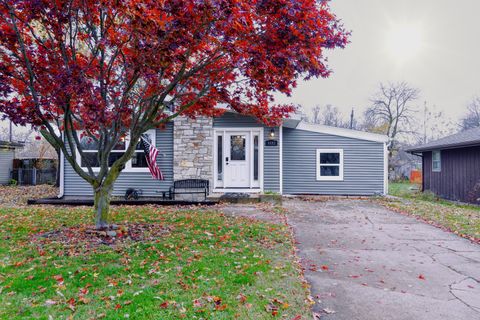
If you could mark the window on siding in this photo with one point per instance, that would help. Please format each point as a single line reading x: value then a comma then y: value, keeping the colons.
x: 136, y: 163
x: 330, y: 164
x: 436, y: 161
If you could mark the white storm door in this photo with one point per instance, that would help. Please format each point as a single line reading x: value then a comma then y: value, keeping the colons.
x: 237, y: 159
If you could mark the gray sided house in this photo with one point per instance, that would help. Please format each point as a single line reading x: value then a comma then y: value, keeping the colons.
x: 451, y: 166
x: 236, y: 153
x: 7, y: 154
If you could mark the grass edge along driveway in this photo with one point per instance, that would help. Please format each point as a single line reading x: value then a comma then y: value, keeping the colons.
x: 461, y: 219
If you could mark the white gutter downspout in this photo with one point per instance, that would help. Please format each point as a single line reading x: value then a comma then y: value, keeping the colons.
x: 280, y: 134
x: 62, y: 173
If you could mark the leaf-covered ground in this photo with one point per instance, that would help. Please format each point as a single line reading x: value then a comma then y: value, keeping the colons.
x: 18, y: 195
x: 188, y: 263
x: 461, y: 219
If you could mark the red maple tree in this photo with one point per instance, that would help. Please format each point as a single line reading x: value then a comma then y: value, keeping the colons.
x: 111, y: 68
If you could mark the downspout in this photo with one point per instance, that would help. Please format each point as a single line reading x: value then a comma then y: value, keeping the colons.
x: 62, y: 173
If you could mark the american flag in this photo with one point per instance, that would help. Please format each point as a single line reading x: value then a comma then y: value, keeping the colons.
x: 151, y: 154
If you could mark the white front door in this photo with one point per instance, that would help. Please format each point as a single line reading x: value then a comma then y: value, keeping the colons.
x: 237, y: 159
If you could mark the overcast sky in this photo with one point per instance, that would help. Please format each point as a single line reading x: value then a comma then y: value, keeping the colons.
x: 432, y: 44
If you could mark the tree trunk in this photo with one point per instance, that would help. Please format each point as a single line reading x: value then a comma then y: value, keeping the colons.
x: 102, y: 206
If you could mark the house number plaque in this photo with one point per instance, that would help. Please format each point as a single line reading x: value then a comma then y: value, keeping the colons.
x: 271, y: 143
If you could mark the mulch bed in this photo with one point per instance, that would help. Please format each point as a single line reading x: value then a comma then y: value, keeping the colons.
x: 77, y: 240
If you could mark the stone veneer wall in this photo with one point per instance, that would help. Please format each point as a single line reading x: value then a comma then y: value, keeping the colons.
x: 193, y: 148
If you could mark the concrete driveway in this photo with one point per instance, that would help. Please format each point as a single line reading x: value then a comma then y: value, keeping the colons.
x: 366, y: 262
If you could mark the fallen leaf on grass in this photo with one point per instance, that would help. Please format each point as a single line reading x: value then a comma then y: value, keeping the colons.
x: 242, y: 298
x: 50, y: 302
x: 271, y: 308
x: 197, y: 303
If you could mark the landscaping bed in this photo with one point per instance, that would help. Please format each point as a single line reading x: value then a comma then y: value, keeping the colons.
x: 19, y: 195
x: 162, y: 263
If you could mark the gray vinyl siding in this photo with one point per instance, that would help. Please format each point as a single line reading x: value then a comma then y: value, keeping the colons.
x: 76, y: 186
x: 271, y: 163
x: 271, y: 154
x: 6, y: 163
x: 363, y: 164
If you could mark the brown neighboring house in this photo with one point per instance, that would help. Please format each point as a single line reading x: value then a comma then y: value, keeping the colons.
x: 451, y: 166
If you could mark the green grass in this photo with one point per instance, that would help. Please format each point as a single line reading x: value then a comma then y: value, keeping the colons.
x: 402, y: 189
x: 462, y: 219
x: 208, y: 267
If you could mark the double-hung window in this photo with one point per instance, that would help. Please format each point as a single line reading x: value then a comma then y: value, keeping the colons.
x: 436, y: 161
x: 330, y: 164
x: 137, y: 163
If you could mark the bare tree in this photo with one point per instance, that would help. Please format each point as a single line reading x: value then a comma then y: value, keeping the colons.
x: 435, y: 125
x: 472, y: 118
x: 316, y: 114
x: 392, y: 110
x: 331, y: 116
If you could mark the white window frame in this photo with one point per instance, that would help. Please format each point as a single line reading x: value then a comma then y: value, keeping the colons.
x: 340, y: 165
x: 128, y: 165
x: 439, y: 160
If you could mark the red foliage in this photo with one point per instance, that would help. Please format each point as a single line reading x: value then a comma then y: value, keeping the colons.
x: 118, y: 64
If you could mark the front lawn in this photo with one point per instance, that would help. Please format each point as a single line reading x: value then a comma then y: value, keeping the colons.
x: 170, y: 264
x: 461, y: 219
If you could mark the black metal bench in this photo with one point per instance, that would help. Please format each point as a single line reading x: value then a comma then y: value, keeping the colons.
x: 189, y: 184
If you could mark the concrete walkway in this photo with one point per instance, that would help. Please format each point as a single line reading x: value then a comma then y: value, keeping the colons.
x: 366, y: 262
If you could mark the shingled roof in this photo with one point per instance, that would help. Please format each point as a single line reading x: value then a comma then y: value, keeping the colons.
x: 465, y: 138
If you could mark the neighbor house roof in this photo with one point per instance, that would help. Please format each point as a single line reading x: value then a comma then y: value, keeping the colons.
x: 10, y: 145
x: 465, y: 138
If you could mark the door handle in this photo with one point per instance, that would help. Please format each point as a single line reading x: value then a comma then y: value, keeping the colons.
x: 226, y: 160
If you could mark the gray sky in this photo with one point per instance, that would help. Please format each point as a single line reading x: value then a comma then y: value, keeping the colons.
x: 432, y: 44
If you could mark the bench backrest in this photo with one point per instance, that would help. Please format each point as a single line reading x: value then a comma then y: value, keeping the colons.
x: 191, y: 184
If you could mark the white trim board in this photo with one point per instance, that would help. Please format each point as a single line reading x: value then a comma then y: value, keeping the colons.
x: 342, y: 132
x: 61, y: 190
